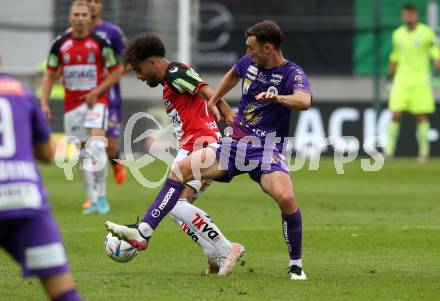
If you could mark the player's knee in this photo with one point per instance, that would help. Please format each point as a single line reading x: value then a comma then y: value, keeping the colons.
x: 182, y: 171
x: 286, y: 201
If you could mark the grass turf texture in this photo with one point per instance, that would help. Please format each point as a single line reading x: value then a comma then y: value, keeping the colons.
x: 367, y: 236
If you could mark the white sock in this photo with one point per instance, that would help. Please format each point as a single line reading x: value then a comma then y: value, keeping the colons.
x: 200, y: 223
x: 87, y: 176
x: 100, y: 158
x: 208, y: 247
x: 145, y: 229
x: 297, y: 262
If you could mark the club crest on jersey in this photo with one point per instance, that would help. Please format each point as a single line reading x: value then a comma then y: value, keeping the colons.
x: 91, y: 58
x: 272, y: 89
x: 78, y: 58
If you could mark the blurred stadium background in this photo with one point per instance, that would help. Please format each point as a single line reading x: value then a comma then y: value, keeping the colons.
x: 343, y: 46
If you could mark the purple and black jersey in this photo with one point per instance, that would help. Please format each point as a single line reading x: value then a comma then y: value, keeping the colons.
x: 22, y: 125
x: 115, y: 36
x: 260, y: 118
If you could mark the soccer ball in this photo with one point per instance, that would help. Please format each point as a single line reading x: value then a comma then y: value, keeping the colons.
x: 119, y: 250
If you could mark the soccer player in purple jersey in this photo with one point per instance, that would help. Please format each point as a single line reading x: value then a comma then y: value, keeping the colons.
x: 115, y: 36
x: 28, y: 232
x: 271, y: 87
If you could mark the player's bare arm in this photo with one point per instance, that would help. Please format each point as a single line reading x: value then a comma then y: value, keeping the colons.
x: 111, y: 79
x: 44, y: 152
x: 227, y: 83
x: 392, y: 68
x: 299, y: 100
x: 221, y: 110
x: 49, y: 80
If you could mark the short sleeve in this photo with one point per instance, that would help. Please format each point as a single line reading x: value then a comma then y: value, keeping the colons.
x: 110, y: 59
x: 54, y: 60
x: 118, y: 40
x: 393, y: 55
x: 182, y: 78
x: 242, y: 64
x: 298, y: 80
x: 434, y: 49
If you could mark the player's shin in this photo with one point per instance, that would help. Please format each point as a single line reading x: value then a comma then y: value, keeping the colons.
x: 97, y: 149
x: 200, y: 223
x: 207, y: 246
x: 87, y: 176
x: 292, y: 230
x: 162, y: 205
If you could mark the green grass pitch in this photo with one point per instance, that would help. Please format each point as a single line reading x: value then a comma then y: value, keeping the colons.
x: 367, y: 236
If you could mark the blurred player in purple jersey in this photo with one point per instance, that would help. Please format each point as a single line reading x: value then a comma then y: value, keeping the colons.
x: 271, y: 87
x: 28, y: 232
x: 115, y: 36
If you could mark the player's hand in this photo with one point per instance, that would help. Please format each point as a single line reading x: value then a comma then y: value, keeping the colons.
x: 213, y: 110
x: 46, y: 111
x: 230, y: 118
x: 268, y: 97
x: 91, y: 98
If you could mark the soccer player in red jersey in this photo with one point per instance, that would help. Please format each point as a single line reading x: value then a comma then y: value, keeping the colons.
x: 117, y: 39
x: 185, y: 94
x: 84, y: 58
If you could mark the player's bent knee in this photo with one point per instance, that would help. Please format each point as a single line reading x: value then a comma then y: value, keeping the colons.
x: 182, y: 171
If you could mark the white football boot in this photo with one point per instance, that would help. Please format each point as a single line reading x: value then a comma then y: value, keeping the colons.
x: 228, y: 261
x: 129, y: 233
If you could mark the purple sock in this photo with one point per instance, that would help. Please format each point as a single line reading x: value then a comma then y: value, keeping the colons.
x: 165, y: 201
x: 71, y: 295
x: 292, y: 230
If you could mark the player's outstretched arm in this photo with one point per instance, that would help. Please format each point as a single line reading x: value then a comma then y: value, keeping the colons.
x: 221, y: 107
x: 299, y: 100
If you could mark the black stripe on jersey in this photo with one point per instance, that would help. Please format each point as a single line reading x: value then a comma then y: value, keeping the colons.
x: 104, y: 43
x: 179, y: 71
x: 59, y: 40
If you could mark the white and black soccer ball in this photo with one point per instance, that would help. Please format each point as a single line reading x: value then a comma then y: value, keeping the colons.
x: 119, y: 250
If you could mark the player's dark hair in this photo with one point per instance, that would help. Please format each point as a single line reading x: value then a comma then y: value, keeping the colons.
x: 266, y: 31
x: 409, y: 6
x: 142, y: 48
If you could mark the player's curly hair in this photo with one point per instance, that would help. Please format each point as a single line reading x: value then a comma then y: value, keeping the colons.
x: 142, y: 48
x: 266, y: 31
